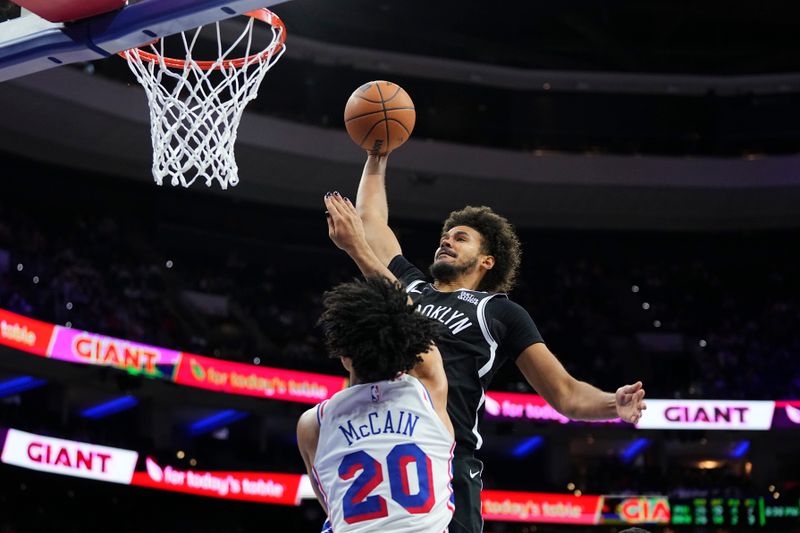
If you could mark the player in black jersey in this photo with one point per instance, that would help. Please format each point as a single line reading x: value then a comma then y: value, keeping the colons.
x: 474, y: 265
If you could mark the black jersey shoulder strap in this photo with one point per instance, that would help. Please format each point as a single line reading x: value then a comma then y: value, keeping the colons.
x: 487, y: 334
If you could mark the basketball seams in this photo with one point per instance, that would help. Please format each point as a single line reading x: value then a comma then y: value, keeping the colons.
x: 367, y: 99
x: 380, y: 93
x: 369, y: 132
x: 367, y: 88
x: 396, y: 92
x: 379, y: 111
x: 400, y: 123
x: 385, y: 116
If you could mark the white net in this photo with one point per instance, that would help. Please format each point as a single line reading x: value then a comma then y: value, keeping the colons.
x: 196, y: 106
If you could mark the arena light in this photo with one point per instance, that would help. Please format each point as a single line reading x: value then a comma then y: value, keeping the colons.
x: 709, y: 464
x: 633, y: 449
x: 110, y: 407
x: 741, y: 449
x: 14, y: 386
x: 528, y: 446
x: 215, y: 421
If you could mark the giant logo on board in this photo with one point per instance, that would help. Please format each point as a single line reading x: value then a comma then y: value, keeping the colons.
x: 67, y: 457
x: 707, y: 414
x: 90, y: 348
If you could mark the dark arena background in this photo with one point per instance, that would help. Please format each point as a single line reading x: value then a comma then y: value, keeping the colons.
x: 158, y: 344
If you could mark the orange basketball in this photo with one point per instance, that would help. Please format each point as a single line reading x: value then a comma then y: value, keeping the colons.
x: 379, y: 116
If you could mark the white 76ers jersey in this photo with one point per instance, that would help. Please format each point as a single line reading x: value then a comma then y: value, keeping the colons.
x: 383, y: 460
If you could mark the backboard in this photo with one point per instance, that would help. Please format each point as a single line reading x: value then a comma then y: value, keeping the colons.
x: 86, y: 30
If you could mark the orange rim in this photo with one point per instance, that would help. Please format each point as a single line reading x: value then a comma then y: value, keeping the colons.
x: 263, y: 14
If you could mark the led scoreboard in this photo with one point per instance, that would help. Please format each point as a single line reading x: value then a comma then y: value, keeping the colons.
x: 744, y: 512
x: 717, y: 511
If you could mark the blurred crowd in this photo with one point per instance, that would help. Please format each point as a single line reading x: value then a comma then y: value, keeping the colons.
x: 693, y: 315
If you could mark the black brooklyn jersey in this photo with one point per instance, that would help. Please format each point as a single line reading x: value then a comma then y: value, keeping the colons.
x: 480, y: 332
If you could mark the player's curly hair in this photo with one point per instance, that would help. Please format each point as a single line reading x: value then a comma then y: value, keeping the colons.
x: 372, y: 322
x: 499, y: 240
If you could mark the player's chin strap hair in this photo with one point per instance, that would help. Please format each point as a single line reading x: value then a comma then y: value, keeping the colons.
x: 499, y: 240
x: 372, y: 323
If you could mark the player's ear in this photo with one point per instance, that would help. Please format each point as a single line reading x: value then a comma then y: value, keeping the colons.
x: 347, y: 363
x: 487, y: 262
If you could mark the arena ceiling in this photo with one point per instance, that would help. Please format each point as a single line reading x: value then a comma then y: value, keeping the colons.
x: 641, y: 115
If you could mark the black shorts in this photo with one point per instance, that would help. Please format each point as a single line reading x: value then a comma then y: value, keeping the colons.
x: 467, y: 485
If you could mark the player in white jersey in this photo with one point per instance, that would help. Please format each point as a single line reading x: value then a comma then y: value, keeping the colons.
x: 380, y: 452
x: 384, y: 434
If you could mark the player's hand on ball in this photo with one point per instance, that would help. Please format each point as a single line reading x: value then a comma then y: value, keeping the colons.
x: 344, y: 225
x: 630, y: 402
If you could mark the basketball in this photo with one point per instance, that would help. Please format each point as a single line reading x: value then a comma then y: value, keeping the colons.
x: 379, y: 116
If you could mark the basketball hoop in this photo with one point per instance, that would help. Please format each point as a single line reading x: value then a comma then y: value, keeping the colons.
x: 196, y: 106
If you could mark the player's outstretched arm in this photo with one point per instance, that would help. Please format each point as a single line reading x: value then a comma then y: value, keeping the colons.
x: 577, y: 399
x: 431, y: 373
x: 373, y: 208
x: 307, y: 439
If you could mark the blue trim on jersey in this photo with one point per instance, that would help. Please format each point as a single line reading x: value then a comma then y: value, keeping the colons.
x: 427, y: 394
x: 320, y: 411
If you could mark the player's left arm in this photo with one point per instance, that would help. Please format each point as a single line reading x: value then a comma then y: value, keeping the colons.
x: 431, y: 373
x: 576, y: 399
x: 572, y: 398
x: 307, y: 439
